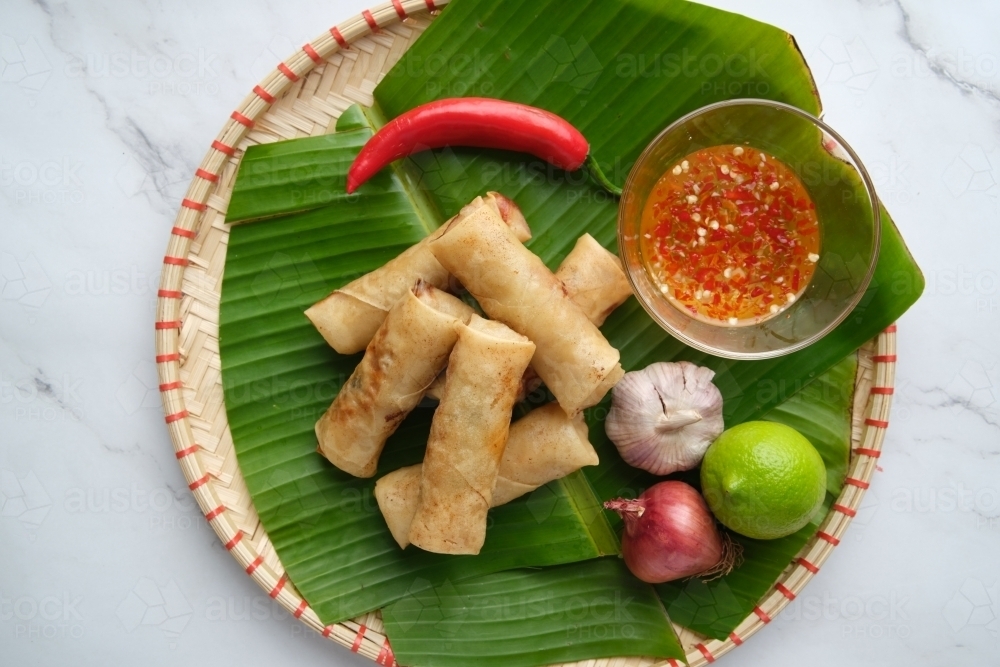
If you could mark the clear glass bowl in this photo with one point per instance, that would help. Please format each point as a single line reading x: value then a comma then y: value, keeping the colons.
x: 846, y: 206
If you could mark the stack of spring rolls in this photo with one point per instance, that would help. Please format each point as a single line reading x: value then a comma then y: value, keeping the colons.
x: 420, y: 340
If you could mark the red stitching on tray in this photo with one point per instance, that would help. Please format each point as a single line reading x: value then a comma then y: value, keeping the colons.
x: 187, y: 452
x: 186, y: 233
x: 673, y: 663
x: 784, y: 591
x: 193, y: 205
x: 877, y: 423
x: 241, y: 119
x: 370, y: 20
x: 860, y: 483
x: 216, y: 512
x: 357, y: 638
x: 207, y: 175
x: 163, y: 358
x: 301, y: 609
x: 806, y: 564
x: 255, y: 564
x: 176, y: 261
x: 736, y: 638
x: 170, y: 419
x: 845, y: 510
x: 864, y: 451
x: 171, y: 385
x: 762, y: 615
x: 385, y: 656
x: 199, y: 482
x: 231, y: 544
x: 399, y: 9
x: 705, y: 652
x: 311, y: 52
x: 327, y: 631
x: 827, y: 537
x: 278, y: 586
x: 340, y: 38
x: 890, y: 329
x: 430, y: 5
x: 175, y: 324
x: 263, y: 94
x: 287, y: 71
x: 223, y: 148
x: 884, y: 358
x: 884, y: 391
x: 169, y: 294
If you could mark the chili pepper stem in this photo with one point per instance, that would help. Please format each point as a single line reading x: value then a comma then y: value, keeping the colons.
x: 598, y: 175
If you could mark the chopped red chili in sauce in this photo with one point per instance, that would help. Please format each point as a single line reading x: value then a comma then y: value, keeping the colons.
x: 730, y: 235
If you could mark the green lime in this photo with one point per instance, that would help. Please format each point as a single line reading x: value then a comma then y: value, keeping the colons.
x: 763, y: 480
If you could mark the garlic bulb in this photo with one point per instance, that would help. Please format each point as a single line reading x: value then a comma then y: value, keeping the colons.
x: 665, y: 416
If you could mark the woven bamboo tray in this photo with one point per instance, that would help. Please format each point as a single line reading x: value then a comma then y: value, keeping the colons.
x: 304, y: 96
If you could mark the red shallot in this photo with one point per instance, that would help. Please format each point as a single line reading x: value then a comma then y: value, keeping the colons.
x: 671, y: 534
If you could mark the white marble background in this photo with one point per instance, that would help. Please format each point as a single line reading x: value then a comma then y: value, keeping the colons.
x: 107, y: 107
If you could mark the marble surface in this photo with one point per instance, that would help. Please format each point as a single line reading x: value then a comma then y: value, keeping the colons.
x: 108, y: 107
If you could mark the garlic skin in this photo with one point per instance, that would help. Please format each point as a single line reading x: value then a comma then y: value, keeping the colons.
x: 664, y: 417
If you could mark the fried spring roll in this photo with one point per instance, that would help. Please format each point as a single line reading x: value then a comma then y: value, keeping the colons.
x: 468, y: 436
x: 349, y: 317
x: 513, y: 286
x: 543, y: 446
x: 594, y: 279
x: 408, y: 351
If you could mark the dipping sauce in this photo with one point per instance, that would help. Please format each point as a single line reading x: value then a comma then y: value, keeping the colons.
x: 730, y: 235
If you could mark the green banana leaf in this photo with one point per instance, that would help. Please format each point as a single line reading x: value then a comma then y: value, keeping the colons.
x: 621, y: 72
x: 524, y: 618
x: 279, y: 376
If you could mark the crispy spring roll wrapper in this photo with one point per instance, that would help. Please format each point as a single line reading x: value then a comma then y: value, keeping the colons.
x: 513, y: 286
x: 544, y: 446
x: 349, y: 317
x: 594, y: 279
x: 468, y: 436
x: 408, y: 351
x: 398, y: 495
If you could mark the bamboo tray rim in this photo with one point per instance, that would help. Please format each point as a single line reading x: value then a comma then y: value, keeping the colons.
x: 187, y: 318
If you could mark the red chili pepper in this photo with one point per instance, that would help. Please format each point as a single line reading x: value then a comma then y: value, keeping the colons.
x: 474, y: 121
